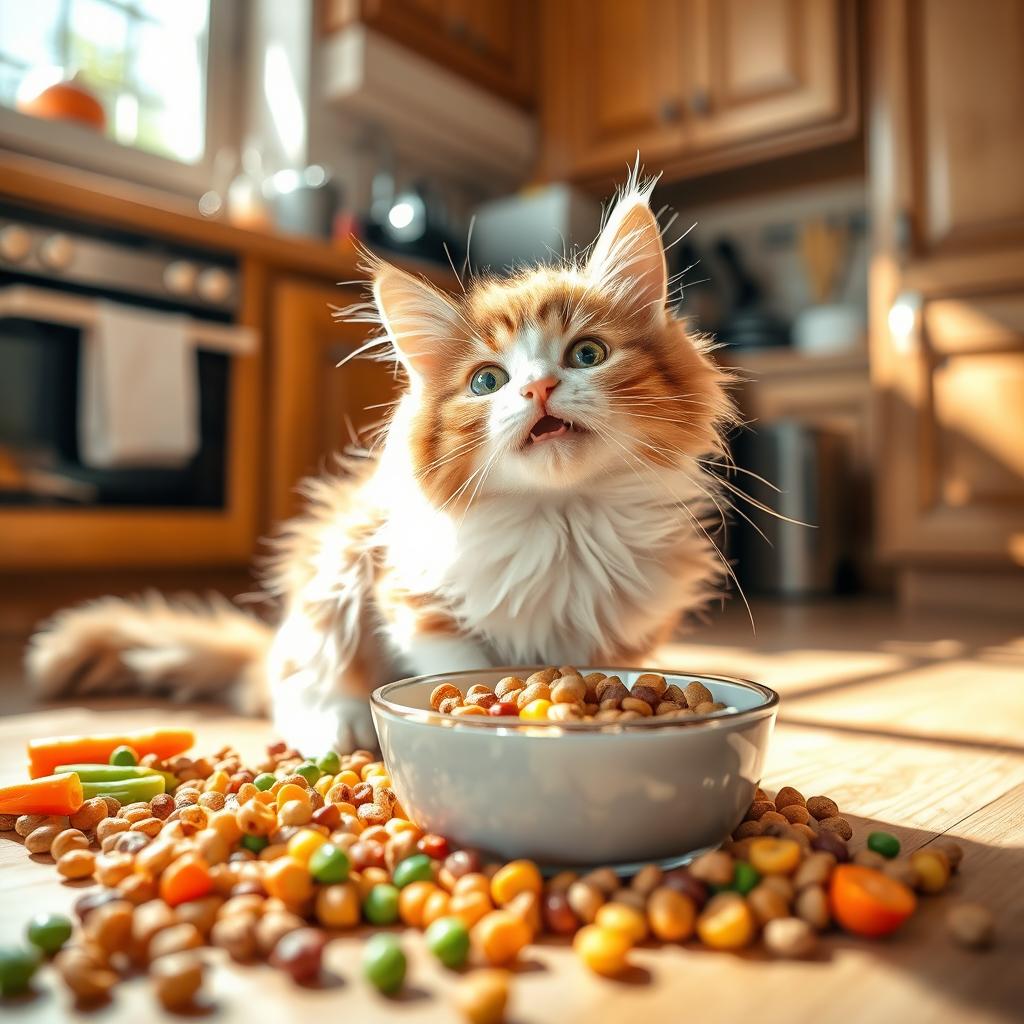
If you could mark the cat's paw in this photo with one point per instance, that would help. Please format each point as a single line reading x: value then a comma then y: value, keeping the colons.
x: 344, y: 725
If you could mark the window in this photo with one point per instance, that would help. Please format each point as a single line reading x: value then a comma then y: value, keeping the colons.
x: 145, y: 61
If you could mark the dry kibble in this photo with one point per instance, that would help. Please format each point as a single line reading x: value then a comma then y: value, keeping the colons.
x: 444, y: 692
x: 822, y: 807
x: 568, y: 690
x: 85, y: 972
x: 790, y: 937
x: 482, y: 996
x: 971, y: 925
x: 671, y: 915
x: 90, y: 814
x: 640, y: 707
x: 697, y: 694
x: 7, y: 822
x: 26, y: 823
x: 110, y: 927
x: 647, y: 879
x: 110, y: 827
x: 795, y: 814
x: 112, y: 867
x: 648, y: 694
x: 536, y: 691
x: 584, y: 900
x: 840, y: 826
x: 759, y: 808
x: 76, y: 863
x: 508, y: 685
x: 714, y: 868
x: 767, y: 904
x: 175, y: 939
x: 41, y: 839
x: 953, y: 851
x: 870, y: 859
x: 177, y: 979
x: 544, y: 676
x: 787, y: 796
x: 652, y: 681
x: 812, y: 906
x: 816, y: 869
x: 237, y: 935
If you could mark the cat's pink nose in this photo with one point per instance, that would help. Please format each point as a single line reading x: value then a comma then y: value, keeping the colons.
x: 538, y: 390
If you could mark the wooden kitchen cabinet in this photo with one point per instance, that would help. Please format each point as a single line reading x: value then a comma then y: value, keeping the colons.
x: 491, y: 42
x: 694, y: 85
x: 316, y: 407
x: 947, y: 282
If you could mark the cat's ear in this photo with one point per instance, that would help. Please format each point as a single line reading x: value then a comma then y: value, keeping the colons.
x: 628, y: 256
x: 419, y: 319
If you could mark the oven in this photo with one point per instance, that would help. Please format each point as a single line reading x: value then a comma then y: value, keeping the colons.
x: 67, y: 500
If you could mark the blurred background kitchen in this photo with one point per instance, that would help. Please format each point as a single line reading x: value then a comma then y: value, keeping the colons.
x: 843, y: 185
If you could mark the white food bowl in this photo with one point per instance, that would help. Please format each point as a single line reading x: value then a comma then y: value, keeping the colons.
x: 574, y: 793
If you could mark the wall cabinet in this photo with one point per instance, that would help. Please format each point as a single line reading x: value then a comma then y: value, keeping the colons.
x: 947, y: 285
x: 490, y: 42
x: 694, y: 85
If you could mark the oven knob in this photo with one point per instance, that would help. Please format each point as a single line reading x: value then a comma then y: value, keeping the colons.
x: 214, y: 284
x: 57, y: 252
x: 180, y: 277
x: 15, y: 243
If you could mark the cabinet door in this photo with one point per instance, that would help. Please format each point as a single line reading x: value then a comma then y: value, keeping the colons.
x: 316, y: 407
x: 490, y: 42
x: 614, y: 72
x: 764, y: 67
x: 947, y: 280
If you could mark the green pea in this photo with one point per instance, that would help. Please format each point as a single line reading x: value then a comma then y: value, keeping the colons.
x: 329, y: 864
x: 49, y: 932
x: 17, y: 965
x: 745, y: 876
x: 884, y: 843
x: 417, y: 868
x: 124, y: 756
x: 381, y: 904
x: 309, y: 772
x: 448, y: 939
x: 384, y: 962
x: 329, y: 763
x: 264, y: 781
x: 254, y: 843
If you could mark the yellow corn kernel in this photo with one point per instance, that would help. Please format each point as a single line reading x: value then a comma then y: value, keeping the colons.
x: 396, y: 826
x: 932, y: 867
x: 621, y: 918
x: 323, y: 784
x: 603, y: 950
x: 349, y: 777
x: 288, y: 880
x: 218, y: 782
x: 500, y: 935
x: 303, y: 844
x: 378, y: 781
x: 535, y: 710
x: 726, y: 923
x: 373, y: 768
x: 513, y: 878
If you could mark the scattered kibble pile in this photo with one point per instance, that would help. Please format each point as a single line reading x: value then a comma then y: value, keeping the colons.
x: 564, y: 695
x: 267, y: 862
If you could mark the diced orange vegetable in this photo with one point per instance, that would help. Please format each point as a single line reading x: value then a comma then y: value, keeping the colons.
x: 44, y: 755
x: 51, y: 794
x: 866, y: 902
x: 185, y: 879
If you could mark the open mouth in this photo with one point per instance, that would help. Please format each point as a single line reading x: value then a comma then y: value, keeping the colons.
x: 548, y: 427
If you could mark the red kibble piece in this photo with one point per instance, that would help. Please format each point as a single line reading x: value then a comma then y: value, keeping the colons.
x: 462, y: 862
x: 362, y: 793
x: 329, y: 816
x: 504, y: 708
x: 366, y: 854
x: 239, y: 779
x: 274, y: 749
x: 682, y: 881
x: 482, y: 700
x: 558, y: 915
x: 433, y: 846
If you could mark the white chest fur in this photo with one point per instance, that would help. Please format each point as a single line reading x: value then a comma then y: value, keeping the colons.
x: 558, y: 577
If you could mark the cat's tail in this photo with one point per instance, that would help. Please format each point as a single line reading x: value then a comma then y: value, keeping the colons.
x: 186, y: 648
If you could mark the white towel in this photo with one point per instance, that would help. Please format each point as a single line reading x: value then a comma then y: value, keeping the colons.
x: 138, y: 400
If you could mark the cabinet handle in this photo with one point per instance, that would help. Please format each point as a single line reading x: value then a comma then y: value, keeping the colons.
x: 671, y: 110
x: 903, y: 236
x: 700, y: 103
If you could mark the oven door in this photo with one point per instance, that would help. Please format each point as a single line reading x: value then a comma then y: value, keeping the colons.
x: 55, y: 511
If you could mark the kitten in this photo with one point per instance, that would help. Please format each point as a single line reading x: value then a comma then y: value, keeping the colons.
x: 539, y: 498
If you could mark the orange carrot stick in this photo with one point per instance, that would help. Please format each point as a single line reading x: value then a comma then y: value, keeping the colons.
x: 52, y: 794
x: 46, y: 754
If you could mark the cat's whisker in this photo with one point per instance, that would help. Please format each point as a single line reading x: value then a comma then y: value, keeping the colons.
x: 730, y: 466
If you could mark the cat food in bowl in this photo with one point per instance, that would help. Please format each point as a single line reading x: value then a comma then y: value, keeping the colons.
x: 619, y: 790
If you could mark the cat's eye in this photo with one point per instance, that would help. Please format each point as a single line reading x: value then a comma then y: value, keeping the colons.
x: 585, y: 353
x: 487, y: 380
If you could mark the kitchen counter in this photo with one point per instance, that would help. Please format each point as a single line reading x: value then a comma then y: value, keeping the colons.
x: 57, y: 188
x: 913, y: 724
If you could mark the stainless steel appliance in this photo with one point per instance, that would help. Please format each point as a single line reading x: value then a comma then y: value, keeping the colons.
x: 53, y: 274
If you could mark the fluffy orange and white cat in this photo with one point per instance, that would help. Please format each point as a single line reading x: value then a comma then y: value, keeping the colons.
x: 539, y: 497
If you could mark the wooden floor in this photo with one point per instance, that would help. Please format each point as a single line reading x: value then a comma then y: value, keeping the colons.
x: 914, y: 724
